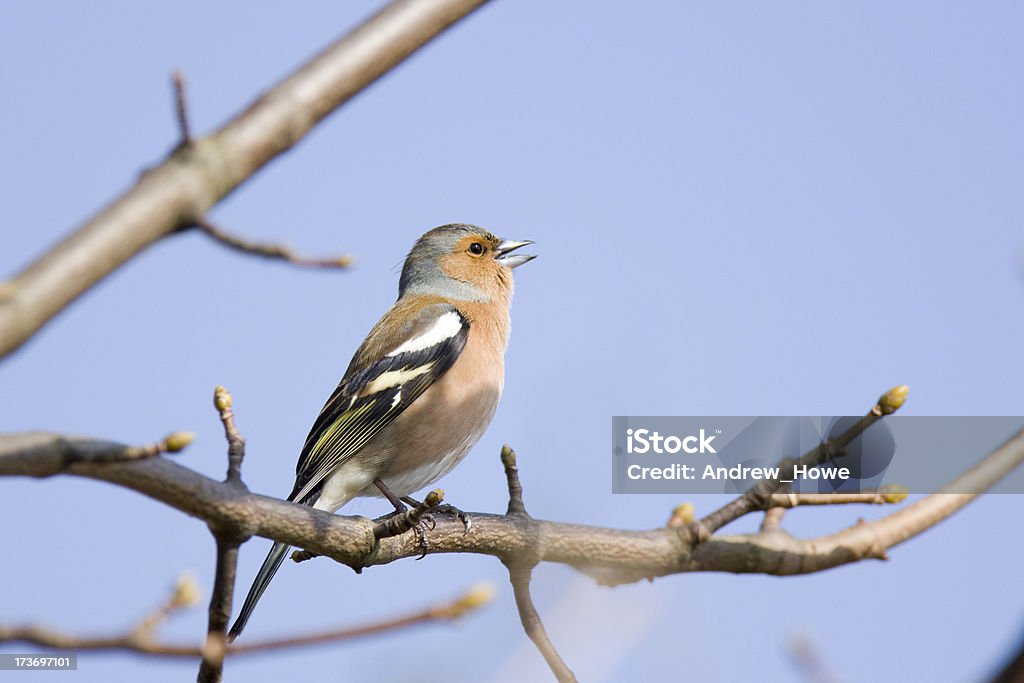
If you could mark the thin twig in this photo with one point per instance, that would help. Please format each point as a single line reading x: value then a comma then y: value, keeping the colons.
x: 516, y: 507
x: 519, y: 575
x: 270, y: 251
x: 772, y: 521
x: 181, y: 108
x: 223, y: 402
x: 520, y: 566
x: 211, y: 669
x: 74, y: 451
x: 758, y: 496
x: 887, y: 495
x: 473, y: 599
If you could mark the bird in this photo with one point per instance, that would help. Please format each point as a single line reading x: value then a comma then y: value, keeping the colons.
x: 420, y: 390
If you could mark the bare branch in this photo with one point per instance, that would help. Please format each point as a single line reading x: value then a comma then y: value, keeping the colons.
x: 223, y: 402
x: 520, y: 564
x: 475, y: 598
x: 178, y: 192
x: 611, y: 556
x: 757, y: 498
x: 270, y: 251
x: 772, y: 521
x: 516, y: 507
x: 519, y: 575
x: 181, y: 108
x: 63, y: 452
x: 211, y: 668
x: 887, y: 495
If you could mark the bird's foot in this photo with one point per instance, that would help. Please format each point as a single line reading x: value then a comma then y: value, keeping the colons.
x: 420, y: 531
x: 445, y: 509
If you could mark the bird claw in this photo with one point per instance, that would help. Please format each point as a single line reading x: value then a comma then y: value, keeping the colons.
x: 420, y: 531
x: 428, y: 523
x: 467, y: 523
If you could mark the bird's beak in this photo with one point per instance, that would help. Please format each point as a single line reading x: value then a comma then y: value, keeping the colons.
x: 507, y: 258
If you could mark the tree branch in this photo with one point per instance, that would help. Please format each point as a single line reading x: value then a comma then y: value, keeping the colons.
x: 519, y: 576
x: 270, y: 251
x: 211, y: 668
x: 758, y: 497
x: 181, y: 108
x: 520, y: 571
x: 611, y: 556
x: 180, y: 190
x: 132, y: 641
x: 223, y: 402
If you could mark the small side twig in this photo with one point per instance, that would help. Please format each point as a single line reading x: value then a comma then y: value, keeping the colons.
x: 772, y: 521
x: 271, y: 251
x: 516, y: 507
x: 473, y: 599
x: 758, y: 496
x: 520, y: 571
x: 223, y: 402
x: 107, y: 452
x: 519, y: 575
x: 211, y: 668
x: 887, y: 495
x: 778, y: 503
x: 181, y: 108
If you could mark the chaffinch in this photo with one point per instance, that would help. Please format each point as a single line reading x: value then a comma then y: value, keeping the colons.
x: 420, y: 390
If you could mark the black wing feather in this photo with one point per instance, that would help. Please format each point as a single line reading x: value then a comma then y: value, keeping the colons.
x: 351, y: 418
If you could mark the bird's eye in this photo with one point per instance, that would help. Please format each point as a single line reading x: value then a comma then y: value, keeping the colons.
x: 476, y: 248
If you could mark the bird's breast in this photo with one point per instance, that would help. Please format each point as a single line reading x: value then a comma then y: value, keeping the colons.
x: 438, y: 430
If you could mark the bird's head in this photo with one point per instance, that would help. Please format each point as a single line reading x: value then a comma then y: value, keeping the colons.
x: 462, y: 262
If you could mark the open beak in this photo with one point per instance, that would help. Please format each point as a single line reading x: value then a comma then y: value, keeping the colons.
x: 507, y: 258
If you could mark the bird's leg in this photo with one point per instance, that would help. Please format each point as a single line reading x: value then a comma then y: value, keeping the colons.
x: 420, y: 529
x: 390, y: 495
x: 446, y: 508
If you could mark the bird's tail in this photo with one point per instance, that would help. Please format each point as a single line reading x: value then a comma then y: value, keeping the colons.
x: 270, y: 566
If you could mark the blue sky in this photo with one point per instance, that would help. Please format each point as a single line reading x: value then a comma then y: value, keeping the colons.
x: 740, y: 208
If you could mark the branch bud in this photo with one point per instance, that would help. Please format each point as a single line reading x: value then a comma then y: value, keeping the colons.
x: 508, y: 456
x: 892, y: 400
x: 177, y: 442
x: 682, y: 515
x: 222, y: 399
x: 893, y: 493
x: 477, y: 596
x: 186, y: 591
